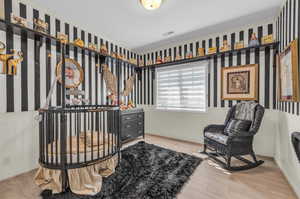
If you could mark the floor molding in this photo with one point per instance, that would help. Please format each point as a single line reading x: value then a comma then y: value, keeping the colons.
x: 199, y: 144
x: 175, y: 139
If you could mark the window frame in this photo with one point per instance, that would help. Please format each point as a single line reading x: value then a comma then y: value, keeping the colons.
x: 206, y: 65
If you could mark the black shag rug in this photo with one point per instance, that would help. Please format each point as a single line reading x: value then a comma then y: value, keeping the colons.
x: 146, y: 171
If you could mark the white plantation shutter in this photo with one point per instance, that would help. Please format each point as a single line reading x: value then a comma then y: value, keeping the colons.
x: 182, y: 87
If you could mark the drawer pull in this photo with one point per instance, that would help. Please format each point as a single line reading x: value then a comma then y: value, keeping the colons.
x: 140, y: 123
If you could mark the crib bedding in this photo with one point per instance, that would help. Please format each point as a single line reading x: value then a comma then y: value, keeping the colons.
x: 81, y: 150
x: 78, y: 144
x: 83, y: 181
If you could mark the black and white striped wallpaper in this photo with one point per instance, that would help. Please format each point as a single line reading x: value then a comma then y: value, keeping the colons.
x: 288, y: 29
x: 28, y: 90
x: 264, y: 57
x: 285, y: 29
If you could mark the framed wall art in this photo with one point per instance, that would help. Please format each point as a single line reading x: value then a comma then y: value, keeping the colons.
x: 289, y: 73
x: 239, y: 82
x: 74, y: 73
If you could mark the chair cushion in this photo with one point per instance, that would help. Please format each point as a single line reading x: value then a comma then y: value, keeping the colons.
x: 236, y: 125
x: 218, y: 137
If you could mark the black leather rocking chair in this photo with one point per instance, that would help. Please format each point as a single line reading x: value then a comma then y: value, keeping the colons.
x: 226, y: 142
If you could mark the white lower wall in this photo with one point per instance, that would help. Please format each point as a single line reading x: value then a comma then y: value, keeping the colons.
x: 19, y: 137
x: 272, y: 140
x: 285, y: 155
x: 189, y: 126
x: 18, y: 143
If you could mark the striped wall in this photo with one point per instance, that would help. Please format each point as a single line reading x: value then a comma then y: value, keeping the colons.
x: 27, y: 90
x: 288, y: 29
x: 265, y: 59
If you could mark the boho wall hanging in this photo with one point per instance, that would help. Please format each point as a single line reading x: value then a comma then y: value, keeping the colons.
x: 239, y: 82
x: 288, y: 73
x: 74, y: 73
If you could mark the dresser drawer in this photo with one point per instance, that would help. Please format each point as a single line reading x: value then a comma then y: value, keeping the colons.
x: 140, y: 123
x: 127, y: 134
x: 129, y: 131
x: 140, y: 131
x: 128, y: 117
x: 129, y: 125
x: 140, y: 116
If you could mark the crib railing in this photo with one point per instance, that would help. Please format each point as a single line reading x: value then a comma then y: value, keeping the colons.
x: 78, y: 136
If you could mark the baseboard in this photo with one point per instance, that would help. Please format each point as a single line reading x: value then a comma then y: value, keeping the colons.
x: 175, y: 139
x: 198, y: 144
x: 20, y: 174
x: 293, y: 184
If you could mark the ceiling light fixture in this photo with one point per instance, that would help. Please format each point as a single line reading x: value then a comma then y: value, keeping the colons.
x: 151, y: 4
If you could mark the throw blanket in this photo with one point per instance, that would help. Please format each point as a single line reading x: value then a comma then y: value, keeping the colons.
x: 245, y: 110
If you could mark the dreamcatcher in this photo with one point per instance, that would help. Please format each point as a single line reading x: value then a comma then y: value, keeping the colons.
x: 111, y: 86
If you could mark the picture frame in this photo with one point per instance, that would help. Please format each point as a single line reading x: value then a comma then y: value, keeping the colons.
x: 239, y: 82
x: 74, y: 73
x: 289, y: 73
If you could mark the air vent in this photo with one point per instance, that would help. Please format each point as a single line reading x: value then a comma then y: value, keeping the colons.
x: 168, y: 33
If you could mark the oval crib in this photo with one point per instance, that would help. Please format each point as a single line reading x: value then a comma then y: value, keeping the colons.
x: 78, y: 136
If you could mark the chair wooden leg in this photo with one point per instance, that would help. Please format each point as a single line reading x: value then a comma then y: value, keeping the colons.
x: 252, y: 154
x: 204, y: 149
x: 229, y: 162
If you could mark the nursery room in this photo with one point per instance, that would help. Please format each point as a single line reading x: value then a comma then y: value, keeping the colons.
x: 149, y: 99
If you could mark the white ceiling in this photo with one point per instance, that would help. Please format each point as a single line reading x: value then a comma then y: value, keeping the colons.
x: 126, y: 23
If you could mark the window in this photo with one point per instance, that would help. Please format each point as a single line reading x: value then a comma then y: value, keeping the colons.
x: 182, y: 87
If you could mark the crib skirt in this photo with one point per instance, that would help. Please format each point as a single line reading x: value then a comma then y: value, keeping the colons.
x: 82, y: 181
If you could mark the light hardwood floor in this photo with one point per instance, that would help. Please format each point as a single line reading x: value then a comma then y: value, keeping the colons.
x: 207, y: 182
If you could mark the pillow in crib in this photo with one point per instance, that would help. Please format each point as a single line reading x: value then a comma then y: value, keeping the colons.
x: 236, y: 126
